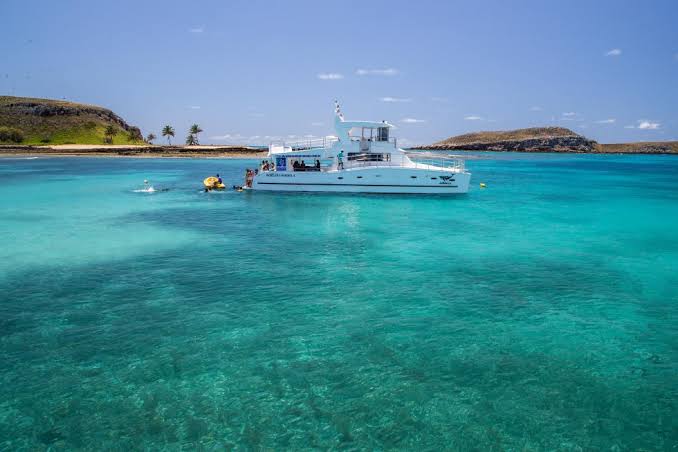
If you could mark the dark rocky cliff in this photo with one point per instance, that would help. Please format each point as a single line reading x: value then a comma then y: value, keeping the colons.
x: 539, y: 139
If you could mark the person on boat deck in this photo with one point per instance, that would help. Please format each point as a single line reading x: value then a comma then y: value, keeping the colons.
x: 340, y: 159
x: 295, y: 165
x: 317, y: 165
x: 218, y: 178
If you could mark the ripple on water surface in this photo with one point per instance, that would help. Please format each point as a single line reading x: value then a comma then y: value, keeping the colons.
x: 523, y: 316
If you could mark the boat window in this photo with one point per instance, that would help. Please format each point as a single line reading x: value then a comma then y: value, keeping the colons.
x: 434, y: 178
x: 339, y: 177
x: 355, y: 133
x: 382, y: 134
x: 360, y: 177
x: 366, y: 157
x: 413, y: 177
x: 301, y: 164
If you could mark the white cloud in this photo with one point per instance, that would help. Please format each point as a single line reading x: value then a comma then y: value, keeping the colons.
x: 395, y: 99
x: 228, y: 136
x: 473, y: 118
x: 630, y: 126
x: 440, y: 99
x: 330, y: 76
x: 317, y: 124
x: 388, y: 71
x: 613, y: 52
x: 194, y: 107
x: 412, y: 121
x: 536, y: 108
x: 607, y: 121
x: 569, y: 113
x: 255, y: 115
x: 196, y: 30
x: 648, y: 125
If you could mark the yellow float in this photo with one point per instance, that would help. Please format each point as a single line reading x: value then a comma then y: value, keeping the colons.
x: 213, y: 183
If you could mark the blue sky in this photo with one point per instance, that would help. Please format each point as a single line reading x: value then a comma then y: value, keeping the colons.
x: 252, y: 70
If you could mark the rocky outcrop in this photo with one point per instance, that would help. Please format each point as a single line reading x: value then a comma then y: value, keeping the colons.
x: 52, y: 121
x: 43, y: 109
x: 648, y: 147
x: 541, y: 139
x: 554, y: 144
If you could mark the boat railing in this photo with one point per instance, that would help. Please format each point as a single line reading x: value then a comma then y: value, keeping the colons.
x: 311, y: 143
x: 443, y: 163
x: 370, y: 141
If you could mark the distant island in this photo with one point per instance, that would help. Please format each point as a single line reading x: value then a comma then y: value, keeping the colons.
x: 544, y: 139
x: 25, y: 120
x: 59, y: 127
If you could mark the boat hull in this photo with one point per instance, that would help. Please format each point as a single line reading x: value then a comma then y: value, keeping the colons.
x: 365, y: 180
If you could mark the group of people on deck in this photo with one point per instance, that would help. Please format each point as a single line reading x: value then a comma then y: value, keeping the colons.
x: 302, y: 166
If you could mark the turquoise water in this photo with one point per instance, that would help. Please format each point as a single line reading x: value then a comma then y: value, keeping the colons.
x: 539, y: 313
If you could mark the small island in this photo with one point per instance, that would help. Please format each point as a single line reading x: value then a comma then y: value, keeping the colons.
x: 62, y: 128
x: 544, y: 139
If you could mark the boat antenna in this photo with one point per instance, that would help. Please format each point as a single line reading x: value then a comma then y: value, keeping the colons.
x: 337, y: 110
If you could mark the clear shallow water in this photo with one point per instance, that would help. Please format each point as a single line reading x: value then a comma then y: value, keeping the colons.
x: 537, y: 314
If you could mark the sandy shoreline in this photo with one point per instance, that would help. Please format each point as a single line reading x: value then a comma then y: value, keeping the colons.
x: 139, y: 156
x: 134, y: 151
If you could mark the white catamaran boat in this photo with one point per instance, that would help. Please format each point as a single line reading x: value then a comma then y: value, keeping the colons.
x: 362, y: 158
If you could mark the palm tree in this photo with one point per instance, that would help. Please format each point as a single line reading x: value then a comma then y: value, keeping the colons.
x: 149, y: 138
x: 191, y: 140
x: 109, y: 133
x: 195, y: 130
x: 168, y: 131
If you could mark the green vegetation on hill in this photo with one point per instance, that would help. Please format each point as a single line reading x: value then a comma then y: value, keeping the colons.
x: 535, y: 139
x: 509, y: 135
x: 27, y: 120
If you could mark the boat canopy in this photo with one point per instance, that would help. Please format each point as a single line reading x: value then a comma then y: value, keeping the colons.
x: 379, y: 130
x: 365, y: 124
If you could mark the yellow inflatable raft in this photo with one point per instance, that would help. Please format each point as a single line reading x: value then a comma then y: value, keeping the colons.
x: 213, y: 182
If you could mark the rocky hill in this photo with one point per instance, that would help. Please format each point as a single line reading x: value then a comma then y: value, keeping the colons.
x: 535, y: 139
x: 643, y: 147
x: 44, y: 121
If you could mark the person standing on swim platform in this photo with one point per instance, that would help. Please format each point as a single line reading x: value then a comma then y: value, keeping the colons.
x: 340, y: 159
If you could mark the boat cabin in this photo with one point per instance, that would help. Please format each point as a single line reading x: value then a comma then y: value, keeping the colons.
x: 357, y: 143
